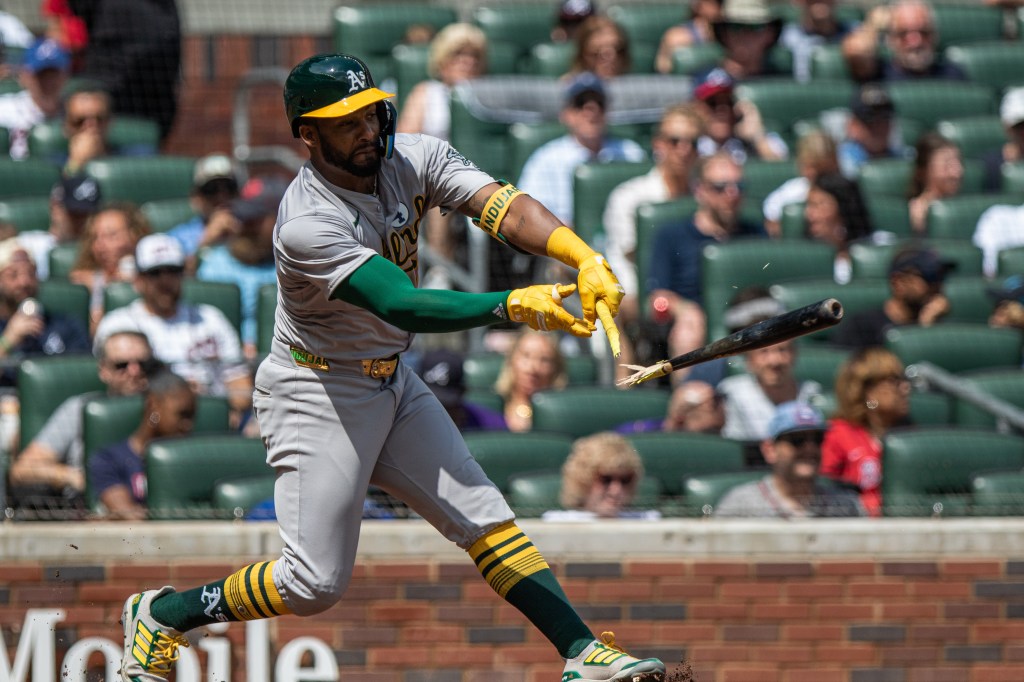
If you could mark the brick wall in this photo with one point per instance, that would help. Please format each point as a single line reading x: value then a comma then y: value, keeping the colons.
x: 949, y: 620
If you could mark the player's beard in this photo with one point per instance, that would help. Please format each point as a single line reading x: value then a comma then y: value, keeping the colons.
x: 361, y: 170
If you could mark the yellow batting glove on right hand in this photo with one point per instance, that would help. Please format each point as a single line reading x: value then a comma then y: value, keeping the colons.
x: 598, y: 283
x: 540, y: 307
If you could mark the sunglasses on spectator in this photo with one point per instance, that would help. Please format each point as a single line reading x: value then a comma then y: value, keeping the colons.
x: 79, y: 121
x: 674, y: 141
x: 163, y: 270
x: 122, y: 365
x: 890, y: 379
x: 902, y: 34
x: 625, y: 480
x: 798, y: 440
x: 722, y: 187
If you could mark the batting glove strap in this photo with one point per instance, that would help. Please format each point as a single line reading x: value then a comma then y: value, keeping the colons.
x: 540, y: 307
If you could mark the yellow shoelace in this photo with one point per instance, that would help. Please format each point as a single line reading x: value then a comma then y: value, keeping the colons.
x: 608, y: 639
x: 165, y: 653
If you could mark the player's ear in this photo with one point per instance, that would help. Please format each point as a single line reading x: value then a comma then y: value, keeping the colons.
x: 309, y: 134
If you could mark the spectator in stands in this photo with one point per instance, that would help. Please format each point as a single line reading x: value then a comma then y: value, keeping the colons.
x: 747, y: 30
x: 869, y: 130
x: 695, y: 407
x: 73, y: 200
x: 571, y: 15
x: 999, y: 228
x: 872, y: 396
x: 1009, y: 298
x: 135, y: 54
x: 695, y: 31
x: 214, y: 187
x: 14, y: 33
x: 599, y: 481
x: 87, y: 117
x: 675, y: 268
x: 733, y: 126
x: 938, y: 174
x: 67, y: 28
x: 547, y: 174
x: 793, y: 448
x: 457, y: 53
x: 442, y: 372
x: 26, y: 329
x: 1011, y: 113
x: 196, y: 341
x: 49, y: 473
x: 247, y: 257
x: 817, y: 25
x: 117, y: 473
x: 44, y: 71
x: 106, y: 254
x: 916, y: 277
x: 836, y: 215
x: 815, y: 156
x: 533, y: 363
x: 602, y: 49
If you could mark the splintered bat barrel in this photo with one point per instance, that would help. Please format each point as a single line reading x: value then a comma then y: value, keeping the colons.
x: 807, y: 320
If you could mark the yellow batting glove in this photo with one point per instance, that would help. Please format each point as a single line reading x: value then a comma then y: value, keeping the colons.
x: 598, y: 283
x: 540, y: 307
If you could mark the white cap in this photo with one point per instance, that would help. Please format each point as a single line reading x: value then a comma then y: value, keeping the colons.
x: 1012, y: 110
x: 212, y: 167
x: 158, y: 250
x: 11, y: 250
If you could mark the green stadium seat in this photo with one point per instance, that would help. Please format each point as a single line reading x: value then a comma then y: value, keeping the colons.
x: 891, y: 177
x: 27, y: 178
x: 139, y: 179
x: 650, y: 218
x: 592, y: 183
x: 485, y: 398
x: 827, y: 63
x: 693, y: 59
x: 945, y: 345
x: 47, y: 141
x: 1011, y: 262
x: 761, y: 178
x: 645, y: 22
x: 792, y: 224
x: 521, y: 25
x: 976, y: 136
x: 530, y: 495
x: 731, y: 266
x: 925, y: 467
x: 872, y: 260
x: 998, y: 493
x: 504, y: 455
x: 643, y: 54
x: 488, y: 143
x: 410, y: 64
x: 783, y: 102
x: 932, y: 100
x: 182, y: 473
x: 65, y: 298
x: 582, y: 410
x: 29, y: 213
x: 165, y: 214
x: 1005, y: 383
x: 549, y: 59
x: 224, y: 296
x: 702, y: 493
x: 960, y: 23
x: 5, y: 140
x: 819, y: 363
x: 62, y: 259
x: 239, y: 495
x: 856, y: 296
x: 956, y: 217
x: 46, y: 382
x: 668, y: 457
x: 1013, y: 179
x: 968, y: 298
x: 480, y: 370
x: 928, y: 408
x: 525, y: 138
x: 266, y: 308
x: 889, y: 214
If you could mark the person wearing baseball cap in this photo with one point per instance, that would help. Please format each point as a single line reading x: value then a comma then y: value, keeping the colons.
x: 696, y: 30
x: 73, y: 200
x: 747, y: 30
x: 571, y: 14
x: 1011, y: 114
x: 792, y: 489
x: 45, y: 68
x: 870, y: 130
x: 215, y: 184
x: 730, y: 125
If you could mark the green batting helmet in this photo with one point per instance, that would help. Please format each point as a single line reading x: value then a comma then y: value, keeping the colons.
x: 331, y: 85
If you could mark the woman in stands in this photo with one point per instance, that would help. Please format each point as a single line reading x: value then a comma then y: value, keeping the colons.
x: 938, y: 174
x: 533, y: 364
x: 872, y: 396
x: 602, y: 48
x: 835, y: 214
x: 697, y: 31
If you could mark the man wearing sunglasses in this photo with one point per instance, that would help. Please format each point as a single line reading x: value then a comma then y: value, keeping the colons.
x: 792, y: 489
x: 49, y: 474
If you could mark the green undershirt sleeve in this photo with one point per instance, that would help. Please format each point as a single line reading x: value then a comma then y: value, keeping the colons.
x: 384, y: 289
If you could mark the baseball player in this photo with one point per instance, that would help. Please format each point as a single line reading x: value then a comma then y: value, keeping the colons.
x: 337, y: 407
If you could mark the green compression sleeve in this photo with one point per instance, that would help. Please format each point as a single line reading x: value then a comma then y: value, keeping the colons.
x: 384, y: 289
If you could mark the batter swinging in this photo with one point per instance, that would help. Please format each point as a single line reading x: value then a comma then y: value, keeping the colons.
x: 339, y: 410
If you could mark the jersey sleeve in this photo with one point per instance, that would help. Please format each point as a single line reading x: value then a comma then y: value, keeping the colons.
x: 450, y: 178
x: 321, y: 251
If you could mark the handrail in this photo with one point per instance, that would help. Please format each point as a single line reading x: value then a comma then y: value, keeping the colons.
x: 1007, y: 415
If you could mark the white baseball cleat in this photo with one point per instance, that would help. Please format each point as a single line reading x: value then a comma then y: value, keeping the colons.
x: 603, y: 661
x: 150, y: 649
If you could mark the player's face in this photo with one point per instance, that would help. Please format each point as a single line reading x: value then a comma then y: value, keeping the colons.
x: 349, y: 143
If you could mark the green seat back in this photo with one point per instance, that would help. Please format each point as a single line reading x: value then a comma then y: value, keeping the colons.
x: 976, y: 136
x: 65, y: 298
x: 549, y: 59
x: 266, y: 307
x: 45, y: 382
x: 827, y: 63
x: 957, y: 217
x: 5, y: 140
x: 1006, y: 384
x: 946, y: 345
x: 650, y: 218
x: 504, y: 455
x: 118, y: 295
x: 591, y: 185
x: 783, y: 102
x: 857, y: 296
x: 872, y: 260
x: 891, y: 177
x: 46, y: 140
x: 526, y: 138
x: 732, y: 266
x: 998, y: 493
x: 959, y: 23
x: 485, y: 398
x: 480, y: 370
x: 819, y: 362
x: 928, y: 408
x: 928, y: 466
x: 761, y: 178
x: 702, y: 493
x: 410, y: 64
x: 62, y: 259
x: 968, y: 298
x: 242, y: 493
x: 582, y: 410
x: 645, y: 22
x: 693, y: 59
x: 792, y: 224
x: 225, y: 296
x: 165, y: 214
x: 668, y: 457
x: 521, y: 25
x: 1011, y: 261
x: 1013, y: 178
x: 486, y: 142
x: 29, y: 213
x: 932, y: 100
x: 181, y: 473
x: 139, y: 179
x: 27, y: 178
x: 533, y: 494
x: 889, y: 214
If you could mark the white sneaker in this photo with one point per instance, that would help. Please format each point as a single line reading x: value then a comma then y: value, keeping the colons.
x: 150, y: 649
x: 602, y: 661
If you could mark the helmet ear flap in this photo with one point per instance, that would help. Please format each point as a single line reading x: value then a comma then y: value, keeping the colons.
x: 387, y: 115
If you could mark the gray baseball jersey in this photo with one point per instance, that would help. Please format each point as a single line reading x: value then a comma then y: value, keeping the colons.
x: 331, y: 430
